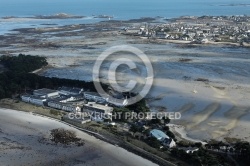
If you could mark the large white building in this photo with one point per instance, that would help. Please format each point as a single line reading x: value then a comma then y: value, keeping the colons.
x: 63, y: 106
x: 39, y: 96
x: 93, y: 107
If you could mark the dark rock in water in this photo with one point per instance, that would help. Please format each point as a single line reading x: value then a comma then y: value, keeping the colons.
x: 143, y: 19
x: 8, y: 17
x: 103, y: 16
x: 184, y: 60
x: 48, y: 24
x: 202, y: 79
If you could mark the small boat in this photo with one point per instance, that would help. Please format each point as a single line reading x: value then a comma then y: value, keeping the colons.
x: 195, y: 91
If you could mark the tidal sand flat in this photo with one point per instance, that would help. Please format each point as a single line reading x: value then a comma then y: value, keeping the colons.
x: 202, y: 82
x: 24, y: 140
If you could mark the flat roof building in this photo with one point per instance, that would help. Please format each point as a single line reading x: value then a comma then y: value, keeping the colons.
x: 37, y: 100
x: 93, y: 96
x: 64, y: 106
x: 46, y: 93
x: 70, y: 91
x: 93, y: 107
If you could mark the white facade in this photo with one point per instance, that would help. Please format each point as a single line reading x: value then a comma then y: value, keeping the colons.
x: 69, y: 108
x: 93, y: 107
x: 62, y: 106
x: 170, y: 143
x: 55, y: 105
x: 94, y: 96
x: 25, y: 98
x: 37, y: 101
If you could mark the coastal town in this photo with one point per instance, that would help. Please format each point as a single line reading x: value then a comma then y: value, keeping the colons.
x: 198, y: 30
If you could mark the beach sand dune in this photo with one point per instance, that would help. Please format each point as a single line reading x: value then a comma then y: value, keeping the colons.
x: 235, y: 114
x: 203, y: 115
x: 186, y: 108
x: 24, y: 140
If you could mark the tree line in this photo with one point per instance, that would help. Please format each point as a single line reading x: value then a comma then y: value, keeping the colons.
x: 17, y: 79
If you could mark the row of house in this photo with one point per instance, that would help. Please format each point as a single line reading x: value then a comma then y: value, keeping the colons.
x: 203, y: 29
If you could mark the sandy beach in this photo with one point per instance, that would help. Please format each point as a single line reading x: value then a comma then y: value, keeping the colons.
x: 24, y: 140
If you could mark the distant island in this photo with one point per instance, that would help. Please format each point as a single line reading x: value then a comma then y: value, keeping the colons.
x: 55, y: 16
x: 236, y: 4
